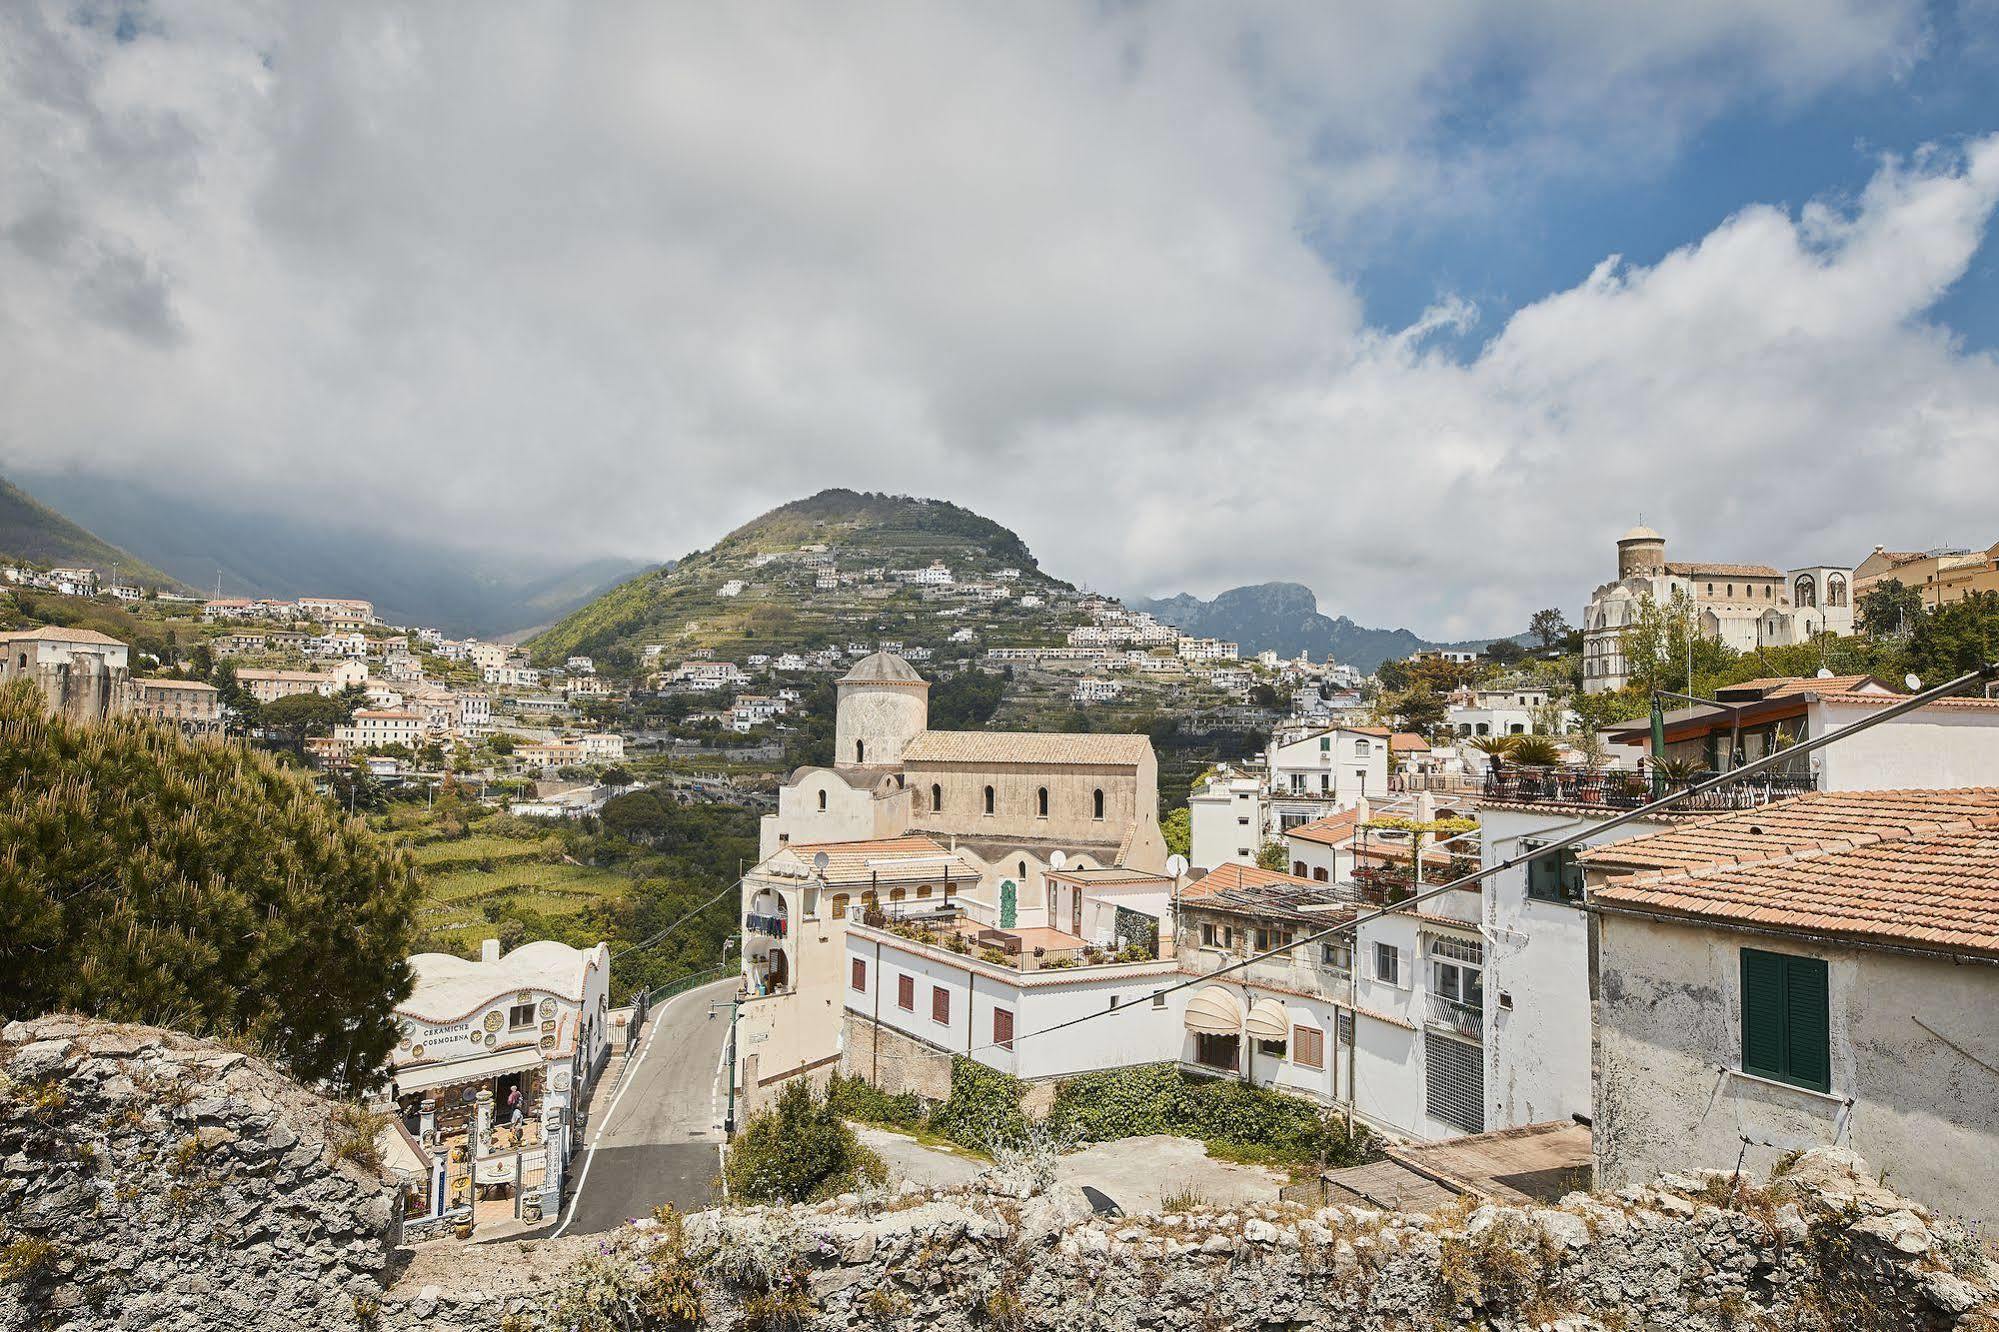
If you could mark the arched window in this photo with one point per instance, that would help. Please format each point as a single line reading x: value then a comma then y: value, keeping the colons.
x: 1516, y: 729
x: 1297, y: 869
x: 1319, y: 874
x: 1041, y: 804
x: 822, y: 797
x: 1731, y: 591
x: 896, y: 894
x: 1361, y: 748
x: 1097, y: 803
x: 860, y: 751
x: 839, y: 906
x: 922, y: 890
x: 989, y: 800
x: 1835, y: 590
x: 936, y: 798
x: 1023, y: 869
x: 1804, y: 592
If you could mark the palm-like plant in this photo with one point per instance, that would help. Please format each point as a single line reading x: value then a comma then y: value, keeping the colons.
x: 1495, y: 747
x: 1678, y: 770
x: 1535, y: 751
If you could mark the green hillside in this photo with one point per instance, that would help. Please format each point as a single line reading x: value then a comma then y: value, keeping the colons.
x: 780, y: 609
x: 32, y: 531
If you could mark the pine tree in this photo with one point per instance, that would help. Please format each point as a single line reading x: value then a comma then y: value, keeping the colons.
x: 149, y: 877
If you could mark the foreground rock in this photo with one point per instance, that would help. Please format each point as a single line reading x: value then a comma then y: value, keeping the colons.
x: 152, y: 1181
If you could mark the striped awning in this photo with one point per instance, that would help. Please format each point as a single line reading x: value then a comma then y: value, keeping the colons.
x: 478, y: 1068
x: 1268, y: 1021
x: 1214, y: 1011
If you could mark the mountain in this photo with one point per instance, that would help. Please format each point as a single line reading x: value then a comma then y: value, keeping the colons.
x: 780, y: 606
x: 32, y: 531
x: 494, y: 593
x: 1285, y: 618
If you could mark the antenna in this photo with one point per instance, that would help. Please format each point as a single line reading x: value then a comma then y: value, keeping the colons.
x: 1057, y: 859
x: 820, y: 860
x: 1176, y: 864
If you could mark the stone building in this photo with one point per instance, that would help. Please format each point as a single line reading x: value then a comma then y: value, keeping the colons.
x: 194, y: 706
x: 82, y: 674
x: 1745, y: 606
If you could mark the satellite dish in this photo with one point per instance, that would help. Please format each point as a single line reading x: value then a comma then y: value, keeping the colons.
x: 1057, y: 859
x: 1825, y: 672
x: 820, y: 860
x: 1176, y: 865
x: 1913, y: 681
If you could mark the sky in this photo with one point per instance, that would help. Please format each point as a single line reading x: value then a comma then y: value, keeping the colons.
x: 1420, y: 306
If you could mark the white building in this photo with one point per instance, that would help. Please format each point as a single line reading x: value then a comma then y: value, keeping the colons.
x: 270, y: 686
x: 373, y: 728
x: 1745, y: 606
x: 1205, y: 649
x: 732, y: 588
x: 1226, y: 820
x: 1318, y: 771
x: 1096, y: 691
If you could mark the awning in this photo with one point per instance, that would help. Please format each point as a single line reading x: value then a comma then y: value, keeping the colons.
x: 476, y: 1069
x: 1268, y: 1021
x: 1215, y: 1011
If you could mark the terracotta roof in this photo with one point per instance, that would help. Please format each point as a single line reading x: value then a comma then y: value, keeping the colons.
x: 1700, y: 570
x: 1930, y: 881
x: 1806, y: 823
x: 1113, y: 877
x: 1255, y: 891
x: 1231, y: 877
x: 1784, y: 686
x: 1407, y: 742
x: 850, y: 862
x: 1882, y: 700
x: 50, y: 633
x: 1333, y: 830
x: 177, y: 684
x: 1026, y: 747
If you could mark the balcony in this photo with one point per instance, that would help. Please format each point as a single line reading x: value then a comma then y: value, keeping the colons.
x: 1457, y: 1017
x: 1629, y: 790
x: 773, y: 927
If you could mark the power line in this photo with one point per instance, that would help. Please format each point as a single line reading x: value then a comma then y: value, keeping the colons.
x: 1986, y: 672
x: 648, y: 942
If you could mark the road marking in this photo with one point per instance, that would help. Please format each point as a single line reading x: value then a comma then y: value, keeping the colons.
x: 631, y: 1077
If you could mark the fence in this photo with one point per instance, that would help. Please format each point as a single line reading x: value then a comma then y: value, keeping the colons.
x: 1629, y: 790
x: 693, y: 982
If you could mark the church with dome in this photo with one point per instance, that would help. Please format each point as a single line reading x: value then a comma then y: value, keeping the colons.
x: 1007, y: 801
x: 1745, y: 606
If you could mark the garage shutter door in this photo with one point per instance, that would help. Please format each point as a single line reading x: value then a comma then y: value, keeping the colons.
x: 1456, y: 1076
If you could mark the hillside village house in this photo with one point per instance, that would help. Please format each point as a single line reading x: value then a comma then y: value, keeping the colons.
x: 1745, y: 606
x: 1821, y: 972
x: 537, y: 1020
x: 374, y: 728
x: 270, y: 686
x: 1226, y: 821
x: 1317, y: 771
x: 1939, y: 576
x: 82, y: 674
x: 350, y: 610
x: 195, y: 706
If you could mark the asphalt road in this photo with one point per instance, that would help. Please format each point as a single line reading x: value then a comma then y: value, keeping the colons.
x: 659, y: 1139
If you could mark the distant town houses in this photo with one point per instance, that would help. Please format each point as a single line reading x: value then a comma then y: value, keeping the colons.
x: 194, y: 706
x: 268, y: 686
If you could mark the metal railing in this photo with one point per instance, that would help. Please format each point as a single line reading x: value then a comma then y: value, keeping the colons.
x: 1629, y: 790
x: 1457, y: 1016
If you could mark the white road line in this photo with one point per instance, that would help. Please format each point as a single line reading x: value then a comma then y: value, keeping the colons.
x: 604, y: 1126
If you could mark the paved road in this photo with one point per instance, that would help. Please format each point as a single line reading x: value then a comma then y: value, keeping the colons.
x: 658, y: 1141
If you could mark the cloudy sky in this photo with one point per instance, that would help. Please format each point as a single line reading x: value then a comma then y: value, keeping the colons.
x: 1419, y: 305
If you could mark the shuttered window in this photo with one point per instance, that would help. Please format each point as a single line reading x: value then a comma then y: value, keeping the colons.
x: 1454, y: 1077
x: 1786, y: 1019
x: 1308, y: 1047
x: 860, y: 976
x: 905, y: 993
x: 1003, y: 1028
x: 940, y: 1004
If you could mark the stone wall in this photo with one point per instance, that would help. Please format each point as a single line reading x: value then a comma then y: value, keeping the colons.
x: 151, y: 1181
x: 898, y: 1063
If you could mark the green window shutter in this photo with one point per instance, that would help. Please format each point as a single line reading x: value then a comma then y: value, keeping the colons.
x: 1807, y: 1033
x: 1762, y: 1013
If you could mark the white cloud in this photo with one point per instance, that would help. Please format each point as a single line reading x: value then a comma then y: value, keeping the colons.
x: 612, y: 278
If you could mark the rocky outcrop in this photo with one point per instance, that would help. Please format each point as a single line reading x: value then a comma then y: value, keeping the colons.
x: 152, y: 1181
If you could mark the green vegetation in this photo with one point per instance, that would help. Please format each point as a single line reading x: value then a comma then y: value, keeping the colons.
x: 799, y: 1150
x: 1238, y: 1121
x: 32, y: 531
x: 145, y: 877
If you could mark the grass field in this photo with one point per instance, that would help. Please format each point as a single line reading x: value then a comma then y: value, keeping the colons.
x: 463, y: 876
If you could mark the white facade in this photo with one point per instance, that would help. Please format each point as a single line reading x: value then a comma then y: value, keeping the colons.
x: 1226, y: 820
x: 373, y: 728
x: 1335, y: 767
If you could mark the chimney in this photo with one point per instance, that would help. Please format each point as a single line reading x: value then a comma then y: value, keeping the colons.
x: 489, y: 950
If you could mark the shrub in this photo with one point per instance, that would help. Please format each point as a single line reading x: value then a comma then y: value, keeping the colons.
x: 352, y: 1133
x: 983, y: 1108
x: 857, y: 1098
x: 799, y: 1151
x: 1240, y: 1121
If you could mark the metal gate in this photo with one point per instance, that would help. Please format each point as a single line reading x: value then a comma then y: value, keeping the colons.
x: 1455, y: 1074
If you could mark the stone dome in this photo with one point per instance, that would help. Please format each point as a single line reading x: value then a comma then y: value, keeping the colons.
x: 882, y: 668
x: 1640, y: 533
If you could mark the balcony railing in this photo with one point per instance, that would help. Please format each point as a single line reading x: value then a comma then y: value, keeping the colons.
x: 1628, y: 790
x: 1455, y: 1016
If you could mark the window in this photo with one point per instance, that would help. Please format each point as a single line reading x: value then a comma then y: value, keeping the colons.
x: 896, y: 894
x: 1297, y: 869
x: 1388, y: 963
x: 1207, y: 934
x: 1804, y: 592
x: 1319, y: 874
x: 860, y: 751
x: 1273, y: 1048
x: 1361, y: 748
x: 989, y: 800
x: 1344, y: 1029
x: 839, y: 906
x: 1228, y: 936
x: 905, y: 993
x: 1337, y: 956
x: 936, y: 798
x: 1040, y: 805
x: 520, y: 1015
x: 1835, y: 590
x: 1308, y: 1047
x: 822, y: 797
x: 1556, y: 878
x: 1023, y: 871
x: 1003, y: 1028
x: 1325, y: 744
x: 1454, y: 1080
x: 922, y: 891
x: 940, y: 1005
x: 859, y: 979
x: 1212, y: 1051
x: 1786, y: 1019
x: 1097, y: 803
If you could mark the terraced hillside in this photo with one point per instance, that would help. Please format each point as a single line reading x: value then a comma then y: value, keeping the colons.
x: 783, y: 561
x: 462, y: 877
